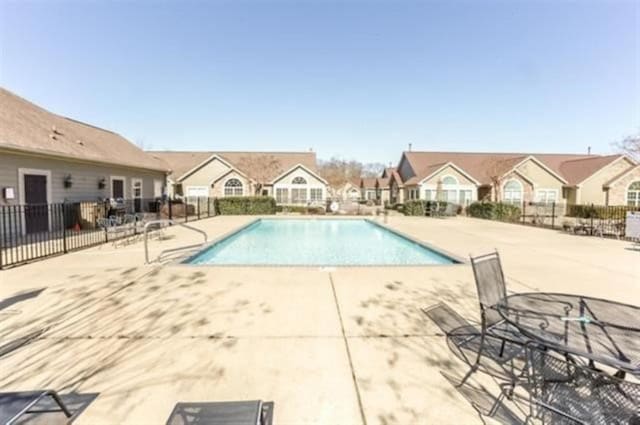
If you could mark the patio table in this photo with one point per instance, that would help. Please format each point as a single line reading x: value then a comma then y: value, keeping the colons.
x: 602, y: 331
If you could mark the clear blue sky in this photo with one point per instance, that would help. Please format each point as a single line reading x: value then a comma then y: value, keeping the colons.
x: 357, y: 79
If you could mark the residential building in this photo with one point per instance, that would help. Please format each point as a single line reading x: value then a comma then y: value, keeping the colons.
x: 47, y: 158
x: 375, y: 189
x: 464, y: 177
x: 290, y: 177
x: 350, y: 191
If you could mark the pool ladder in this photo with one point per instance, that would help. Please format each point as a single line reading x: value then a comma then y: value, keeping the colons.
x: 167, y: 222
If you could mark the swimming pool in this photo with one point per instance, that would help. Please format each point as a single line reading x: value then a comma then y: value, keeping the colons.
x: 317, y: 242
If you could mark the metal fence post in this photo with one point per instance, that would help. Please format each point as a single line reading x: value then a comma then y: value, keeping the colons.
x: 553, y: 214
x: 524, y: 211
x: 208, y: 207
x: 64, y: 227
x: 170, y: 212
x: 592, y: 213
x: 198, y: 207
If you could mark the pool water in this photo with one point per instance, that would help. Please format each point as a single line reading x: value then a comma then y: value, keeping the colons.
x: 317, y: 242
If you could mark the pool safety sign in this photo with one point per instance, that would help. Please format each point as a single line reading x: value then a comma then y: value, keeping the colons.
x: 633, y: 225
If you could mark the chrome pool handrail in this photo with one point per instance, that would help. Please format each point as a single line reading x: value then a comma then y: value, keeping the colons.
x: 170, y: 222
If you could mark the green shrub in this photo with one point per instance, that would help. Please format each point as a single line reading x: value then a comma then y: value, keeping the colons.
x: 416, y: 207
x: 245, y: 205
x: 494, y: 211
x: 301, y: 209
x: 419, y: 207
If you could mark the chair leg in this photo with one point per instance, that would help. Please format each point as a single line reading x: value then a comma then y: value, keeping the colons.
x: 502, y: 347
x: 476, y: 365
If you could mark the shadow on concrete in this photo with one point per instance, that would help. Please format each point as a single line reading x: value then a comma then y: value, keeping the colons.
x: 18, y: 298
x: 104, y: 332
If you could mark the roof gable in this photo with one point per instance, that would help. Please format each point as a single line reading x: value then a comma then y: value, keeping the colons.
x: 182, y: 162
x: 438, y: 168
x: 540, y: 164
x: 579, y: 170
x: 295, y: 167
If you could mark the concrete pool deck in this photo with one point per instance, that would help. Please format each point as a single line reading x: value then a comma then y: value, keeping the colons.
x: 329, y: 346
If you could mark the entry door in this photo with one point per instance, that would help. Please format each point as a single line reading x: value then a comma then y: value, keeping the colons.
x: 36, y: 215
x: 137, y: 194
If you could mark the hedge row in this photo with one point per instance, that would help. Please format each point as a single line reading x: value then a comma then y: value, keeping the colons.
x: 301, y: 209
x: 245, y: 205
x: 494, y: 211
x: 597, y: 211
x: 420, y: 207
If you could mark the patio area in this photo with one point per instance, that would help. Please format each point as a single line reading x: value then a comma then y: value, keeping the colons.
x: 327, y: 345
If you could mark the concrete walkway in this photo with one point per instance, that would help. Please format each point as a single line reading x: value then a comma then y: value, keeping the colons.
x: 329, y: 346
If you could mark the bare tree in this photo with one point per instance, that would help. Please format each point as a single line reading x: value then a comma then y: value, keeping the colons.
x: 630, y: 145
x: 496, y: 168
x: 337, y: 172
x: 260, y: 168
x: 372, y: 169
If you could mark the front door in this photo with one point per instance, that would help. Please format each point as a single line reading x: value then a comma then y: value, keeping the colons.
x: 136, y: 191
x: 36, y: 215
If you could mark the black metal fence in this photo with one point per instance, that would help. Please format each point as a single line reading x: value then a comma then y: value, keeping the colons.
x: 30, y: 232
x: 590, y: 219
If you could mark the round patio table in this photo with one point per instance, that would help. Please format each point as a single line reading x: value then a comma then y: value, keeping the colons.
x: 599, y: 330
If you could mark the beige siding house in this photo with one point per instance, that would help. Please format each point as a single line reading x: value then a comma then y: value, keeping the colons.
x: 565, y: 178
x: 47, y: 158
x: 292, y: 177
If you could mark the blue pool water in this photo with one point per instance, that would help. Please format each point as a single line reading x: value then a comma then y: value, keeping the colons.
x: 325, y: 242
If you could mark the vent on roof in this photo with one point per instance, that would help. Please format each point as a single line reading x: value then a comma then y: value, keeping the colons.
x: 55, y: 130
x: 80, y: 142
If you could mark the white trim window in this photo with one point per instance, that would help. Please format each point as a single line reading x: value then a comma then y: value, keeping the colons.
x: 512, y: 192
x: 633, y: 194
x: 414, y: 194
x: 298, y: 180
x: 465, y: 197
x: 233, y: 187
x: 282, y: 195
x: 547, y: 196
x: 315, y: 194
x: 299, y: 195
x: 428, y: 195
x: 449, y: 189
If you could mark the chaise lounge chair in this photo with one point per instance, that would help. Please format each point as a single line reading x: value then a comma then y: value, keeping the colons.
x: 15, y: 405
x: 255, y: 412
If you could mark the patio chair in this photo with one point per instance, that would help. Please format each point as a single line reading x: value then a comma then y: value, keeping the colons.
x: 432, y: 209
x: 492, y: 290
x: 464, y: 340
x: 15, y: 405
x: 254, y: 412
x: 563, y: 392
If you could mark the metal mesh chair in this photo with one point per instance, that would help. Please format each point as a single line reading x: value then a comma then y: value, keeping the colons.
x: 563, y: 392
x: 492, y: 290
x: 465, y: 341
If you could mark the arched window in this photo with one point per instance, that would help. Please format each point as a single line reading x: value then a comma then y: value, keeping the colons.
x: 633, y: 194
x: 298, y: 180
x: 233, y: 187
x: 512, y: 192
x: 449, y: 180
